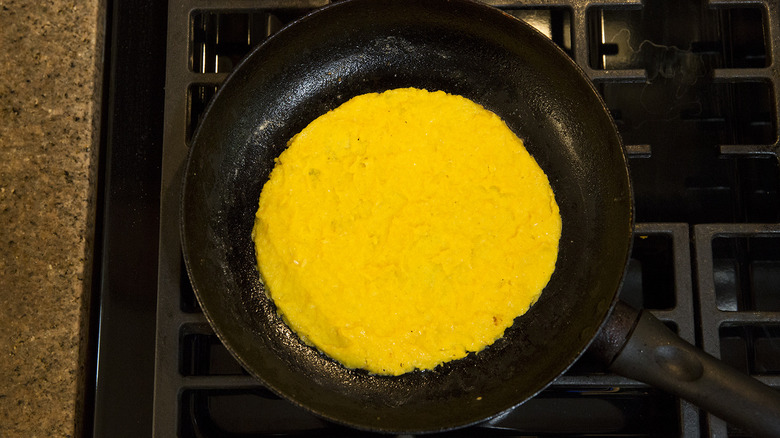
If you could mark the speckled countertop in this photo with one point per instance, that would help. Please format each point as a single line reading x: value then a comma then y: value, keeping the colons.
x: 50, y: 70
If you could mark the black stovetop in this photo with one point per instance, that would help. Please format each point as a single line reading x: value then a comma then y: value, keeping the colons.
x: 694, y: 91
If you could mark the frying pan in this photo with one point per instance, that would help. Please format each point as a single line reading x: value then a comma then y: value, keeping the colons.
x: 360, y: 46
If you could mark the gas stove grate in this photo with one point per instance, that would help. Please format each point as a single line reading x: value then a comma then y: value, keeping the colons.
x: 696, y: 102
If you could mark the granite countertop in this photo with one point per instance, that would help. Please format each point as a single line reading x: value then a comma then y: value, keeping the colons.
x: 50, y: 72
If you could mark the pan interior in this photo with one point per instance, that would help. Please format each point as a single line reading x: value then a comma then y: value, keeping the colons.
x: 363, y: 46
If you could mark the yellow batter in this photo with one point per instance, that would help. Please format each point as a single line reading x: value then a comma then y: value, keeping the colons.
x: 405, y: 229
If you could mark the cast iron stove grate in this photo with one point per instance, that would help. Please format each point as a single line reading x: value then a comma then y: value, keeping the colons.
x: 693, y: 89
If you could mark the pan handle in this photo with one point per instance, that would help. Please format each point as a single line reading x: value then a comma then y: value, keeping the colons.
x: 637, y: 345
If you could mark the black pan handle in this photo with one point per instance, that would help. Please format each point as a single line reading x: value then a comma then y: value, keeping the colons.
x: 637, y: 345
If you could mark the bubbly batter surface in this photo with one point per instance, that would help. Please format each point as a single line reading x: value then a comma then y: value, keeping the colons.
x: 405, y: 229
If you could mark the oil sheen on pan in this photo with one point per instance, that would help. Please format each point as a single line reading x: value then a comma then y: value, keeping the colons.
x: 405, y: 229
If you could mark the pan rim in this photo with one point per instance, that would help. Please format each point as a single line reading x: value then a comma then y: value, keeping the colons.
x: 187, y: 251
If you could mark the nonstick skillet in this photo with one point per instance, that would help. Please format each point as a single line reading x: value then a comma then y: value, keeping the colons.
x: 465, y: 48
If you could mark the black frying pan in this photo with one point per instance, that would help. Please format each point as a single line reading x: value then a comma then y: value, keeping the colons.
x: 464, y: 48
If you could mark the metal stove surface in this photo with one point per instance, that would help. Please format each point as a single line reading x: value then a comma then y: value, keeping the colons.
x: 693, y: 89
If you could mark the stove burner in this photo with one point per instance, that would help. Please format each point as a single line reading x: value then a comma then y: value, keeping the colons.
x: 696, y: 103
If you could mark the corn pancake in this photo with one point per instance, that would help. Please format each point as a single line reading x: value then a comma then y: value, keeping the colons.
x: 405, y: 229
